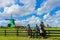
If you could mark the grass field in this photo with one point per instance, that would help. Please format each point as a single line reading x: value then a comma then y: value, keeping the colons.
x: 24, y: 36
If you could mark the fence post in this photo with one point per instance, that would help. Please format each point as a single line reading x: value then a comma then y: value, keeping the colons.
x: 5, y: 32
x: 17, y: 33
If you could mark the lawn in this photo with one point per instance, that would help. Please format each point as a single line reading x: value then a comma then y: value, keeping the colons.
x: 26, y: 38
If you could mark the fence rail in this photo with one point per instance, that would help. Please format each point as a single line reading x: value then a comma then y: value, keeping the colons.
x: 24, y: 32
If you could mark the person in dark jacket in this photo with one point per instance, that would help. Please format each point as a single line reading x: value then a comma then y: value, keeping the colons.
x: 29, y: 30
x: 36, y: 31
x: 42, y: 30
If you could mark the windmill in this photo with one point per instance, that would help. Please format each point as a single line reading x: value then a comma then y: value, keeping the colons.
x: 12, y: 22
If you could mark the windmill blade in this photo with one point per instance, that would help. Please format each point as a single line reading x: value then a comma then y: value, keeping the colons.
x: 7, y: 19
x: 11, y: 17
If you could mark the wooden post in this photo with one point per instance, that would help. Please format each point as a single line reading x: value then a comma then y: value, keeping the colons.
x: 5, y: 32
x: 17, y: 33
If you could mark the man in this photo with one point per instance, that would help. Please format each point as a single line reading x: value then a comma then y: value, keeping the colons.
x: 42, y: 24
x: 42, y: 31
x: 36, y: 31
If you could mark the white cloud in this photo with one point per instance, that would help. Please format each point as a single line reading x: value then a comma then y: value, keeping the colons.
x: 46, y: 16
x: 4, y: 3
x: 54, y: 20
x: 16, y: 9
x: 48, y: 6
x: 4, y: 22
x: 32, y: 21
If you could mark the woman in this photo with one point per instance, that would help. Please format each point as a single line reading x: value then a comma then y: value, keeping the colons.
x: 29, y: 30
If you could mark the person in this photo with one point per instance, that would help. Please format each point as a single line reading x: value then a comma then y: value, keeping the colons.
x: 36, y: 31
x: 42, y: 30
x: 29, y: 30
x: 42, y: 24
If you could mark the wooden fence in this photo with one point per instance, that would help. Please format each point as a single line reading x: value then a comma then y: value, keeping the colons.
x: 24, y: 32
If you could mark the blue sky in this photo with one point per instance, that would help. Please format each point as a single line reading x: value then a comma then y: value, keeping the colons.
x: 30, y: 12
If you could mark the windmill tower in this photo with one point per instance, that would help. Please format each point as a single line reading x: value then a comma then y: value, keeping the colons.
x: 12, y: 22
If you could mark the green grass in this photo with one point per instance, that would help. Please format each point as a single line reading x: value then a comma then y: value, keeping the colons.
x: 52, y: 28
x: 26, y: 38
x: 23, y: 36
